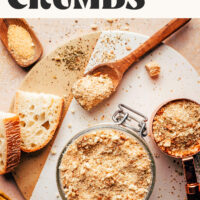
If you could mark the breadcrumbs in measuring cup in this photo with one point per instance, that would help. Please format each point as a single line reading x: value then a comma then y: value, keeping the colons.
x: 20, y: 43
x: 176, y: 128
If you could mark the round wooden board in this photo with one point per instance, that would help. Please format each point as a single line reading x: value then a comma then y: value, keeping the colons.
x: 54, y: 76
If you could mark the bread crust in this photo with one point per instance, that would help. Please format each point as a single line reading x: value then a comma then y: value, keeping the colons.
x: 51, y: 134
x: 13, y: 143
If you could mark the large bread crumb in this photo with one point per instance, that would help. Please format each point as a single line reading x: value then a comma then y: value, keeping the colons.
x: 153, y: 69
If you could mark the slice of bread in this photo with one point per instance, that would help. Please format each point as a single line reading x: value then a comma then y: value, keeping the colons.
x: 39, y: 118
x: 9, y: 142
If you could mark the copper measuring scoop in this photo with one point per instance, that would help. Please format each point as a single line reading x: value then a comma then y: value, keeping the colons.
x: 192, y: 186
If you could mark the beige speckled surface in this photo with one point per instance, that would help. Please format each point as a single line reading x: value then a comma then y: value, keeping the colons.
x: 53, y: 32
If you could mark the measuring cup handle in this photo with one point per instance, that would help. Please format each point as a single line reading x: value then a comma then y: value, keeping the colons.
x: 192, y: 187
x: 195, y: 196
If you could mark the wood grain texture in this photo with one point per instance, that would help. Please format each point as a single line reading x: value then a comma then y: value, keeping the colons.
x: 53, y: 32
x: 151, y: 43
x: 115, y: 70
x: 48, y: 77
x: 4, y: 24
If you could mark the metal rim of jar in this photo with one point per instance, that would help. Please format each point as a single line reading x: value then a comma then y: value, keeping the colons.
x: 107, y: 126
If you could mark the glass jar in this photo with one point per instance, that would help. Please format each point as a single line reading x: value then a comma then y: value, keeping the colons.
x: 121, y: 127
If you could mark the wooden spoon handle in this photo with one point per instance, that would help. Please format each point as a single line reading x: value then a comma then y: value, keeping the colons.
x: 151, y: 43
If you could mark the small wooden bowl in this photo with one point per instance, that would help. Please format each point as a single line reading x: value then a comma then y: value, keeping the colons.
x: 150, y: 129
x: 4, y: 24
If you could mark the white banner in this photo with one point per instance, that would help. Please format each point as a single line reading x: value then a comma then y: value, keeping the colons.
x: 100, y: 8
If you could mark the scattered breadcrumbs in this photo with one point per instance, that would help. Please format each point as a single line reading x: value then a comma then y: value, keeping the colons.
x: 179, y: 78
x: 20, y: 43
x: 108, y: 55
x: 72, y: 111
x: 108, y: 41
x: 91, y: 90
x: 57, y: 195
x: 153, y: 69
x: 53, y: 152
x: 69, y: 126
x: 126, y: 28
x: 105, y: 164
x: 110, y: 21
x: 94, y: 27
x: 176, y: 128
x: 128, y: 48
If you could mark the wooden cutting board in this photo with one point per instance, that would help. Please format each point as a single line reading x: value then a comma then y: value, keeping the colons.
x: 55, y: 74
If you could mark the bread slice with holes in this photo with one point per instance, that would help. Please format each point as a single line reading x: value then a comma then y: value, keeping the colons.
x: 9, y: 142
x: 39, y: 115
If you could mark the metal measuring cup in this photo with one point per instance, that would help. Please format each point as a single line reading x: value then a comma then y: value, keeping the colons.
x: 192, y: 186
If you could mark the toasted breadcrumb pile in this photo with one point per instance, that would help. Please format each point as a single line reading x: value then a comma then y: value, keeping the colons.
x: 20, y: 43
x: 91, y: 90
x: 176, y: 128
x: 105, y: 164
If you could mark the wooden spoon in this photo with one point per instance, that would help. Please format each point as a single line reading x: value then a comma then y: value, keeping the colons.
x: 4, y: 24
x: 116, y: 69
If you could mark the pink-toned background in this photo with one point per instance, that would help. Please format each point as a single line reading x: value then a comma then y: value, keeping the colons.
x: 53, y: 32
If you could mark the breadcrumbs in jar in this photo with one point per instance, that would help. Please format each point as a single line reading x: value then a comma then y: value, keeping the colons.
x: 105, y: 164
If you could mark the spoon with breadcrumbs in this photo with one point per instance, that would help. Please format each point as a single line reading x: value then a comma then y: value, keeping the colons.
x: 116, y: 69
x: 94, y: 87
x: 20, y: 41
